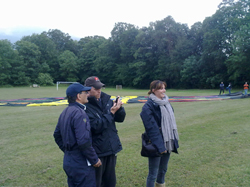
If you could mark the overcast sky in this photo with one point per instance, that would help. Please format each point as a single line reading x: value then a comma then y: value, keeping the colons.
x: 82, y: 18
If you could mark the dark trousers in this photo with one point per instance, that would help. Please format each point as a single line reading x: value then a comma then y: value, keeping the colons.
x: 78, y: 172
x: 105, y: 174
x: 221, y: 90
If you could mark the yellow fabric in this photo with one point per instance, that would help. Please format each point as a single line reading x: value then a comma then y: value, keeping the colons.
x: 65, y: 102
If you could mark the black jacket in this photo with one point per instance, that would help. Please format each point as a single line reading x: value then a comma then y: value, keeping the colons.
x: 105, y: 135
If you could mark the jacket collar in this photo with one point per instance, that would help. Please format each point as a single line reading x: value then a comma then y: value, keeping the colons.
x: 104, y: 99
x: 82, y: 106
x: 153, y: 103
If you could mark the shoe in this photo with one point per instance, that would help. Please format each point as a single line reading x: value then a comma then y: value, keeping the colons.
x: 159, y: 185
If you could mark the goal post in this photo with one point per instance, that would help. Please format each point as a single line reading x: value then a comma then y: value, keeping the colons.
x: 63, y: 82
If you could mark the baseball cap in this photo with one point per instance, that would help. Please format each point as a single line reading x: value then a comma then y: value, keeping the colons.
x: 76, y: 88
x: 94, y: 81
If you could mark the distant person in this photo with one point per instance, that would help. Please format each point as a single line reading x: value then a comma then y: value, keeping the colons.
x: 73, y: 136
x: 160, y: 125
x: 221, y: 88
x: 229, y: 88
x: 103, y: 113
x: 245, y: 87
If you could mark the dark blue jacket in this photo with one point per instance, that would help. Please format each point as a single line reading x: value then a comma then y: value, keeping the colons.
x: 72, y: 133
x: 105, y: 135
x: 151, y: 117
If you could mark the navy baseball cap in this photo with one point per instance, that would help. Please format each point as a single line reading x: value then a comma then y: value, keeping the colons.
x: 75, y: 89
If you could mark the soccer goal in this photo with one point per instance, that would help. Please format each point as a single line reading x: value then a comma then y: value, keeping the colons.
x: 62, y: 82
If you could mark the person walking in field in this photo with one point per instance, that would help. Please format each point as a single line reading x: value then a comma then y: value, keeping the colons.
x: 160, y: 126
x: 73, y: 136
x: 229, y: 88
x: 246, y: 87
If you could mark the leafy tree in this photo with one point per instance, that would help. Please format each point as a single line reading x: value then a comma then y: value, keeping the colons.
x: 172, y: 48
x: 238, y: 17
x: 30, y: 55
x: 123, y: 36
x: 68, y: 66
x: 48, y: 59
x: 195, y: 38
x: 238, y: 63
x: 213, y: 57
x: 62, y: 41
x: 105, y: 63
x: 190, y: 73
x: 7, y: 58
x: 145, y: 58
x: 87, y: 64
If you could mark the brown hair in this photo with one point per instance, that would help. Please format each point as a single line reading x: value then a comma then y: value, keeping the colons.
x: 157, y: 85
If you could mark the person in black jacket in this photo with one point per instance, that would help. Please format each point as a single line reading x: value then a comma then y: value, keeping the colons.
x: 103, y: 113
x: 73, y: 136
x: 160, y: 125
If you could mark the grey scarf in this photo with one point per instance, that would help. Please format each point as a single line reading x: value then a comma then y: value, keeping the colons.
x: 168, y: 123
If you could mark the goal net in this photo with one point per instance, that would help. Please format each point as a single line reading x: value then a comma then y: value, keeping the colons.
x: 62, y: 82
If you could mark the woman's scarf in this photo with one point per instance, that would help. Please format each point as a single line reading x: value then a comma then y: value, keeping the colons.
x: 168, y: 123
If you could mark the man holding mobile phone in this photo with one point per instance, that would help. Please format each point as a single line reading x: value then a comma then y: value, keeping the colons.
x: 103, y: 113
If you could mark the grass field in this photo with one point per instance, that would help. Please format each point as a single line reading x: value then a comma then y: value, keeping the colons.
x: 214, y: 141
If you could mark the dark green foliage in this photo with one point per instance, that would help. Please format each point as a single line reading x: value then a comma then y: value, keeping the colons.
x: 198, y: 57
x: 68, y: 66
x: 7, y: 58
x: 44, y: 79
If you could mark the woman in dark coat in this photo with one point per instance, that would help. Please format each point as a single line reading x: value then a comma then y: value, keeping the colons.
x: 160, y: 125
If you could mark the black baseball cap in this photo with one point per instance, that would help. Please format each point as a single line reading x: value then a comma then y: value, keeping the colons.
x: 94, y: 81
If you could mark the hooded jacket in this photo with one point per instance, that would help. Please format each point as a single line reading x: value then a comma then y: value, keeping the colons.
x: 104, y: 133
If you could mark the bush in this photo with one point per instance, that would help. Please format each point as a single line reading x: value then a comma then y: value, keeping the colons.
x: 44, y: 79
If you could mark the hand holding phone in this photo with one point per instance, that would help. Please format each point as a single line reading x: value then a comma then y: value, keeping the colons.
x: 116, y: 106
x: 117, y: 98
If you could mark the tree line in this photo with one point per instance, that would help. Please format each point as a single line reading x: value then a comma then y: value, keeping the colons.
x: 198, y: 57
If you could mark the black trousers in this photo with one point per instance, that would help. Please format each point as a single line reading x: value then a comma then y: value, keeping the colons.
x: 105, y: 174
x: 221, y: 90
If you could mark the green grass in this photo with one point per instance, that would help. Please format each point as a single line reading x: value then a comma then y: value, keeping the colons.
x: 214, y: 141
x: 51, y: 91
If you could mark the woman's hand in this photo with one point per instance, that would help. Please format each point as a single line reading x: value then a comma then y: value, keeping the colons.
x: 164, y: 152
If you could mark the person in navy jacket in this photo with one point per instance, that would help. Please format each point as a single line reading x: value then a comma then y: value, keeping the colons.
x: 73, y: 136
x: 221, y: 88
x: 160, y: 125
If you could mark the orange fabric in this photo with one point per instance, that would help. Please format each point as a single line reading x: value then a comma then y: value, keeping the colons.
x: 246, y: 86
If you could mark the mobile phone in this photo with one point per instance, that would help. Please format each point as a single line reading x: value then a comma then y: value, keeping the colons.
x: 116, y: 100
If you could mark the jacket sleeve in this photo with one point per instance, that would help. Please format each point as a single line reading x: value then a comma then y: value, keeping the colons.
x: 83, y: 138
x: 151, y: 127
x: 99, y: 122
x: 120, y: 115
x: 58, y: 137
